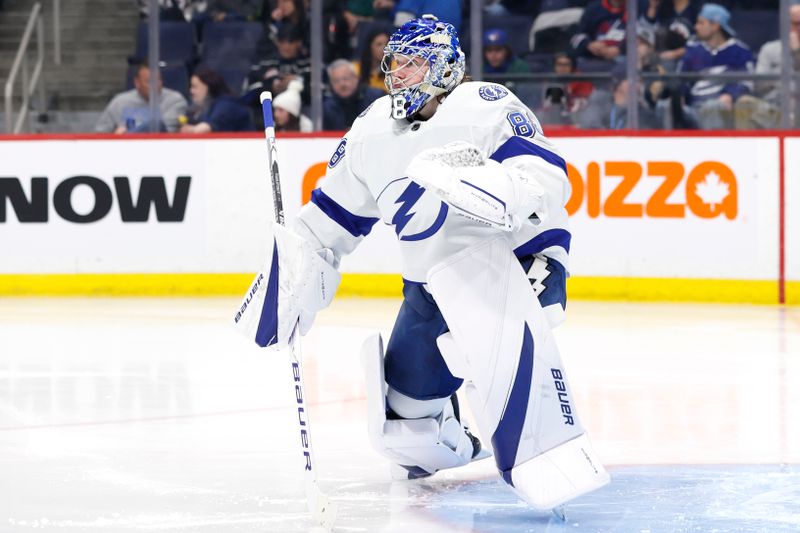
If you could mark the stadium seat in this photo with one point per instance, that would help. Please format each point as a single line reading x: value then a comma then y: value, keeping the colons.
x: 553, y: 5
x: 540, y: 62
x: 176, y: 40
x: 755, y: 27
x: 176, y: 77
x: 588, y: 64
x: 552, y: 30
x: 230, y: 45
x: 234, y: 78
x: 517, y: 27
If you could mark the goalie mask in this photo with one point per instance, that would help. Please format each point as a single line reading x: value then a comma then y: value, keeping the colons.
x: 422, y: 60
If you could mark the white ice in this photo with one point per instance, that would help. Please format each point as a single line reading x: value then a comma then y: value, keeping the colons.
x: 153, y: 415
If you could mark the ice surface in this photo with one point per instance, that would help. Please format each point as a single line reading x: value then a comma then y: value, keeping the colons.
x: 152, y: 415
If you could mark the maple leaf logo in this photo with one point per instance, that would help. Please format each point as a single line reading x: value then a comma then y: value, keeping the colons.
x: 712, y: 190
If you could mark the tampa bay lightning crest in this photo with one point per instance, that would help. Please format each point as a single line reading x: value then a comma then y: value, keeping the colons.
x: 492, y: 92
x: 338, y: 154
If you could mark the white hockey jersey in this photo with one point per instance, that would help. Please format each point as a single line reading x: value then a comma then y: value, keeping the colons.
x: 365, y: 181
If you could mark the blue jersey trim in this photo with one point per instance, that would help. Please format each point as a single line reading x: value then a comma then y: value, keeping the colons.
x: 508, y: 433
x: 355, y: 225
x: 546, y: 239
x: 515, y: 146
x: 267, y: 330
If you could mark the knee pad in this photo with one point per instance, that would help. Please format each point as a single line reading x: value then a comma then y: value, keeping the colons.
x: 423, y: 445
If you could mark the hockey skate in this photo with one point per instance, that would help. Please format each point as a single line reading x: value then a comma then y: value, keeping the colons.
x: 417, y: 447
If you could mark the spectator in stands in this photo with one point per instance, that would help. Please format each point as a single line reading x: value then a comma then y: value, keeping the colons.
x: 609, y: 110
x: 673, y: 21
x: 129, y: 111
x: 286, y: 110
x: 649, y: 62
x: 234, y: 10
x: 662, y: 97
x: 715, y: 51
x: 563, y: 100
x: 601, y: 31
x: 337, y: 30
x: 498, y: 57
x: 213, y: 108
x: 288, y: 13
x: 348, y: 97
x: 174, y: 10
x: 359, y: 12
x: 766, y: 109
x: 273, y: 73
x: 368, y: 67
x: 445, y: 10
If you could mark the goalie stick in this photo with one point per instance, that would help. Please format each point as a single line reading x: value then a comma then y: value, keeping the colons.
x: 322, y: 509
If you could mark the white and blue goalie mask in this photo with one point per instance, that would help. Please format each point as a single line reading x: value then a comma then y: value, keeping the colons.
x: 422, y: 60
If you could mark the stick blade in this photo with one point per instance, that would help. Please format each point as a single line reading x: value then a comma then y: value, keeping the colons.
x: 323, y: 510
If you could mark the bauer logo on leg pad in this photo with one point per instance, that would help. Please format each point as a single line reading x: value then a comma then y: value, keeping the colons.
x: 563, y: 398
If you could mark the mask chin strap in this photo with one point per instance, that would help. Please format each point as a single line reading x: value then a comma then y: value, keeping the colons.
x: 429, y: 88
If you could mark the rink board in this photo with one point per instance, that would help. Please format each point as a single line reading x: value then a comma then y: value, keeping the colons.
x: 792, y: 210
x: 680, y: 218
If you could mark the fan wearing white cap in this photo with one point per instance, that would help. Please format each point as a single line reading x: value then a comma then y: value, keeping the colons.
x: 715, y: 50
x: 286, y: 110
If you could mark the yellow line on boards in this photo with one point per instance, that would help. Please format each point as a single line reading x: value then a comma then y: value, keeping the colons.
x: 389, y: 285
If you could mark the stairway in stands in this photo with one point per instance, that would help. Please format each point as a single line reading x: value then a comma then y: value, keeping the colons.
x: 97, y: 36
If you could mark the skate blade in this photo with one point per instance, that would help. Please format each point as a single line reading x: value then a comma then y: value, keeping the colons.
x: 560, y: 512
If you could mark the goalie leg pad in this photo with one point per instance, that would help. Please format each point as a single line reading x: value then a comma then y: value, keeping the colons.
x: 423, y: 445
x: 523, y: 397
x: 548, y: 279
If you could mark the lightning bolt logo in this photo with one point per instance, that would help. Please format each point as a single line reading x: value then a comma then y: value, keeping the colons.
x: 537, y: 273
x: 406, y: 200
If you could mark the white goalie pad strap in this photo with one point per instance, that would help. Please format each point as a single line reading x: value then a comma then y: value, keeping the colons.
x: 524, y: 401
x: 429, y: 443
x: 452, y: 356
x: 292, y: 286
x: 559, y: 475
x: 432, y: 444
x: 479, y: 189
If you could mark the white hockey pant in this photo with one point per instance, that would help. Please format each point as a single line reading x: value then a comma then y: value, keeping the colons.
x: 428, y: 436
x: 500, y: 340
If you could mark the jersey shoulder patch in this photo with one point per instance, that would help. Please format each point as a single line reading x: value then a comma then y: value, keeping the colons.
x: 338, y: 154
x: 492, y: 92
